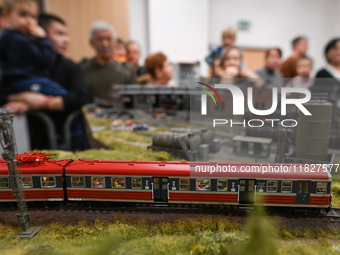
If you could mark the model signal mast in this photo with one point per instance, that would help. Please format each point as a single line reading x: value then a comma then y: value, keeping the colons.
x: 8, y: 145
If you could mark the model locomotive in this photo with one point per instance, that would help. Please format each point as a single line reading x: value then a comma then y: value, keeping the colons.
x: 168, y: 183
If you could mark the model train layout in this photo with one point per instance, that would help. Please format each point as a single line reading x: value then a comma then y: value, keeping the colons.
x: 159, y: 182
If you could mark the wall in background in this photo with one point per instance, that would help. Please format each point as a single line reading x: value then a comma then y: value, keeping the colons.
x: 179, y: 29
x: 139, y: 25
x: 79, y: 15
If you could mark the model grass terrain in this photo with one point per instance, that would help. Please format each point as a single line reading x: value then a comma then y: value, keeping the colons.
x: 122, y: 146
x: 199, y: 236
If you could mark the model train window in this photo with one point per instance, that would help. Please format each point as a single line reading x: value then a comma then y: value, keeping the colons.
x: 156, y: 183
x: 307, y: 187
x: 48, y: 182
x: 222, y: 185
x: 165, y: 183
x: 242, y: 185
x: 26, y: 182
x: 203, y: 184
x: 251, y: 185
x: 271, y: 186
x: 286, y: 186
x: 136, y: 183
x: 184, y: 184
x: 78, y: 181
x: 321, y: 187
x: 98, y: 182
x: 4, y: 182
x: 118, y: 182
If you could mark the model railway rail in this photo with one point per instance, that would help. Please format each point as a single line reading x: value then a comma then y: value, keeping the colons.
x: 180, y: 208
x: 333, y: 213
x: 332, y: 216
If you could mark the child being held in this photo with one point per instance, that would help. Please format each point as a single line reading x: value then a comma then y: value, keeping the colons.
x: 26, y: 54
x: 302, y: 80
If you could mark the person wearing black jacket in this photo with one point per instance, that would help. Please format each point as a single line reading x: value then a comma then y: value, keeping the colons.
x: 67, y: 74
x: 330, y: 74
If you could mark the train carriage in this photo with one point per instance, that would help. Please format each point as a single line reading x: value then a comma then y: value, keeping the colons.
x: 40, y: 180
x: 180, y: 182
x: 123, y: 181
x: 281, y: 185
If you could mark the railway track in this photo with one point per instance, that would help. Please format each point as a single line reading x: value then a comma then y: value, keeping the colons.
x: 334, y: 213
x: 150, y: 208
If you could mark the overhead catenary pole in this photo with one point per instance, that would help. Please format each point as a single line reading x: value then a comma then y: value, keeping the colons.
x: 8, y: 145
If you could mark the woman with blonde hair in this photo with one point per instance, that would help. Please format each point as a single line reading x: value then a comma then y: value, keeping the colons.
x: 230, y: 66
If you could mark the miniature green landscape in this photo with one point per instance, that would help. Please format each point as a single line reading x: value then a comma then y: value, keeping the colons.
x: 205, y: 235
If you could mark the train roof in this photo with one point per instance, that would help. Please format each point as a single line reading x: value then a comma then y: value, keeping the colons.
x: 304, y: 171
x: 129, y: 168
x: 37, y: 168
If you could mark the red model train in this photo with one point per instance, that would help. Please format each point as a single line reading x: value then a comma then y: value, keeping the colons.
x: 169, y: 182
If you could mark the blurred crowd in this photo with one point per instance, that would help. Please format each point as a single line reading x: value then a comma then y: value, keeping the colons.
x: 35, y: 75
x: 226, y: 61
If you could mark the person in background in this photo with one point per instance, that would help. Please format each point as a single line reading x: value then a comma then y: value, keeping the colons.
x: 300, y: 47
x: 231, y: 65
x: 133, y: 56
x: 303, y: 69
x: 269, y: 74
x: 330, y: 74
x: 3, y: 25
x: 26, y: 54
x: 160, y: 71
x: 65, y: 72
x: 159, y: 68
x: 120, y: 51
x: 102, y: 71
x: 228, y: 39
x: 2, y: 20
